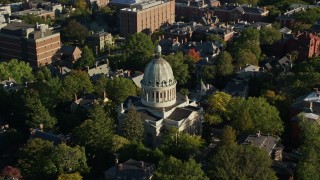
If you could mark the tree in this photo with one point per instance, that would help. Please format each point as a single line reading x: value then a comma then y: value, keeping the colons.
x: 100, y: 85
x: 252, y: 2
x: 75, y: 31
x: 265, y: 117
x: 34, y: 159
x: 240, y: 162
x: 217, y: 107
x: 118, y: 142
x: 33, y: 19
x: 140, y: 49
x: 228, y: 137
x: 124, y: 88
x: 208, y: 73
x: 179, y: 68
x: 69, y: 159
x: 39, y: 159
x: 308, y: 166
x: 10, y: 172
x: 172, y: 168
x: 194, y: 54
x: 216, y: 38
x: 87, y: 59
x: 18, y: 70
x: 249, y: 34
x: 74, y: 83
x: 180, y: 145
x: 81, y: 4
x: 36, y: 113
x: 223, y: 64
x: 132, y: 128
x: 72, y: 176
x: 269, y: 36
x: 244, y: 57
x: 244, y: 124
x: 95, y: 133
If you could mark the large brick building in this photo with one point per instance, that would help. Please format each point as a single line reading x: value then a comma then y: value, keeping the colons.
x: 36, y: 45
x: 148, y: 15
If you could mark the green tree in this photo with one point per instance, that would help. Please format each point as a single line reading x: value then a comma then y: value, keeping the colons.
x: 208, y: 73
x: 180, y: 145
x: 81, y: 4
x: 74, y: 31
x: 132, y: 128
x: 269, y: 36
x: 308, y: 166
x: 39, y: 159
x: 100, y: 85
x: 87, y: 58
x: 240, y: 162
x: 118, y: 142
x: 309, y: 16
x: 244, y: 57
x: 228, y: 136
x: 217, y: 107
x: 36, y: 113
x: 223, y: 64
x: 18, y: 70
x: 140, y: 50
x: 35, y: 159
x: 216, y: 38
x: 72, y: 176
x: 264, y: 116
x: 95, y: 133
x: 172, y: 168
x: 124, y: 88
x: 249, y: 34
x: 74, y: 83
x: 244, y: 123
x: 34, y: 19
x: 179, y: 68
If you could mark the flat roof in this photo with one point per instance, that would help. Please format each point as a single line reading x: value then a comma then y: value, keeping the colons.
x: 17, y: 26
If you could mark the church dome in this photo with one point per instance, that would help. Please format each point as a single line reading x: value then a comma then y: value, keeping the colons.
x: 158, y: 72
x: 158, y: 83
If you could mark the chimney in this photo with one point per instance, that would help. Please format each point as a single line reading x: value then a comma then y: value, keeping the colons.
x: 116, y: 160
x: 141, y: 164
x: 119, y: 167
x: 26, y: 84
x: 75, y: 97
x: 9, y: 20
x: 121, y: 108
x: 88, y: 68
x: 41, y: 127
x: 258, y: 134
x: 104, y: 94
x: 96, y: 64
x: 185, y: 40
x: 37, y: 24
x: 208, y: 86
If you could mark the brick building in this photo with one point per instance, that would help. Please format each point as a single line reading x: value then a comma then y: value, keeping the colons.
x: 307, y: 45
x: 192, y: 10
x: 227, y: 13
x: 36, y: 45
x: 148, y: 15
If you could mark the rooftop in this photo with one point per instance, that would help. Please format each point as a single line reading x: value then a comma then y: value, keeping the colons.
x: 18, y: 26
x: 268, y: 143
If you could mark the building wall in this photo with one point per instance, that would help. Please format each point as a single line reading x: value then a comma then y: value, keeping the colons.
x: 37, y: 52
x: 133, y: 21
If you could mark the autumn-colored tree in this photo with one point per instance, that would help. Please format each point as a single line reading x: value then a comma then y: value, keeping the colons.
x: 194, y: 54
x: 10, y: 172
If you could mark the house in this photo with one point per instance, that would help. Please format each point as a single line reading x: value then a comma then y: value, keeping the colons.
x: 248, y: 72
x: 267, y: 143
x: 237, y: 88
x: 100, y: 41
x: 287, y: 19
x: 55, y: 139
x: 280, y: 66
x: 70, y: 53
x: 192, y: 10
x: 98, y: 70
x: 259, y: 25
x: 204, y: 49
x: 10, y: 85
x: 130, y: 169
x: 86, y: 101
x: 234, y: 12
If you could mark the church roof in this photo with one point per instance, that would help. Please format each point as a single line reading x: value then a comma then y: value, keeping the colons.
x: 180, y: 113
x: 158, y: 72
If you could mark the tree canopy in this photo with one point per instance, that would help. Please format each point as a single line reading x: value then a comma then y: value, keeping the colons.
x: 254, y: 113
x: 180, y: 145
x: 39, y: 159
x: 223, y: 64
x: 75, y: 31
x: 240, y: 162
x: 179, y: 68
x: 217, y: 107
x: 133, y: 125
x: 87, y: 59
x: 172, y: 169
x: 18, y: 70
x: 140, y: 50
x: 269, y: 36
x: 124, y: 88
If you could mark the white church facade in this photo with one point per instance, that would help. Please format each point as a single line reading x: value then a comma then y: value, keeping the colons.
x: 160, y: 106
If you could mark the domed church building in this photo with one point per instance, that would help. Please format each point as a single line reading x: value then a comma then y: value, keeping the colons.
x: 160, y: 105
